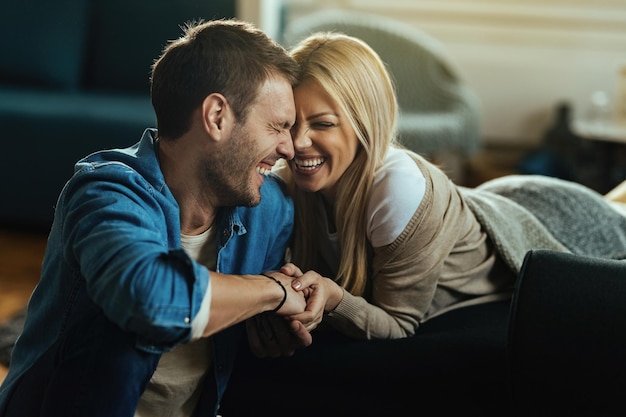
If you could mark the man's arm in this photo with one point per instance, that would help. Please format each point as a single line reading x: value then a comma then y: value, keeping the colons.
x: 235, y: 298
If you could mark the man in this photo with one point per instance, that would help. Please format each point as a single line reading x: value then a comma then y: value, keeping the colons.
x: 119, y: 296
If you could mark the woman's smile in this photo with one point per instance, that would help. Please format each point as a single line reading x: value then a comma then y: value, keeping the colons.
x: 311, y: 164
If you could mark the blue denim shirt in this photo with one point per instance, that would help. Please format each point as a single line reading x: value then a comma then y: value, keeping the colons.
x: 116, y: 235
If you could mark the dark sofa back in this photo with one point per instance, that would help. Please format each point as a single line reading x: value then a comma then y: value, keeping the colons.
x: 42, y: 43
x: 126, y: 36
x: 74, y: 79
x: 102, y: 45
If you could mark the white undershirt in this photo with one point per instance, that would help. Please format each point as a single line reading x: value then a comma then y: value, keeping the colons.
x: 174, y: 389
x: 397, y: 192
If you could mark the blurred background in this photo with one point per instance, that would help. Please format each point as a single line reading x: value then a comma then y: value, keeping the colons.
x: 486, y: 87
x: 550, y: 77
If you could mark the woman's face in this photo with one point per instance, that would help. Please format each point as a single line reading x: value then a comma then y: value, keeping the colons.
x: 323, y: 139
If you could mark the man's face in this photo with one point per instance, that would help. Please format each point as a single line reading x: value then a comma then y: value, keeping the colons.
x: 254, y: 146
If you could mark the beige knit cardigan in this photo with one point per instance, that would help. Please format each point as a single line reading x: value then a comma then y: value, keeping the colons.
x: 462, y: 246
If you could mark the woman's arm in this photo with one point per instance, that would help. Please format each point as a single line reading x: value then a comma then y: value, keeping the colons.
x: 407, y: 260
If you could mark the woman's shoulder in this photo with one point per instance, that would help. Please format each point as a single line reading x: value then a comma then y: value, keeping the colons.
x: 397, y: 192
x: 399, y: 159
x: 398, y: 173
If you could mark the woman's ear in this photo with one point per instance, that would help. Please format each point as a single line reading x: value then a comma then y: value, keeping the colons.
x: 217, y: 116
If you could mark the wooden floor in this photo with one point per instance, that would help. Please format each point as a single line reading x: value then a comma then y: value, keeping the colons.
x: 20, y: 264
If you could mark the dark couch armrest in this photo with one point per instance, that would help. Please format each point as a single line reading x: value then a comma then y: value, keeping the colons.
x: 567, y: 336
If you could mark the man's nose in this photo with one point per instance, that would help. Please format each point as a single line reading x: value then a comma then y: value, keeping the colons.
x: 285, y: 148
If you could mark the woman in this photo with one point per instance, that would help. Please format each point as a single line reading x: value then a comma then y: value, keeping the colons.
x: 402, y: 246
x: 398, y: 241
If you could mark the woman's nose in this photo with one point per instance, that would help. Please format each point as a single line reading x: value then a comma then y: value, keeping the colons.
x: 300, y: 139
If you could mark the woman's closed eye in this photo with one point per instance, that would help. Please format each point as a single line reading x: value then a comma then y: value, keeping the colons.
x: 322, y: 125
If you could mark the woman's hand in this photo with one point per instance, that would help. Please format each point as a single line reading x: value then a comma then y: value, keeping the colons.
x: 322, y: 295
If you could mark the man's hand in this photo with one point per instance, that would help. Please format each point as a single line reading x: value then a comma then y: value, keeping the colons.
x: 271, y: 335
x: 294, y: 300
x: 322, y: 295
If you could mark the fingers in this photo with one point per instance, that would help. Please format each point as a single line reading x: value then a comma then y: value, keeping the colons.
x: 264, y: 340
x: 272, y: 336
x: 291, y: 270
x: 312, y: 317
x: 308, y: 319
x: 257, y: 346
x: 301, y: 334
x: 305, y: 280
x: 279, y: 342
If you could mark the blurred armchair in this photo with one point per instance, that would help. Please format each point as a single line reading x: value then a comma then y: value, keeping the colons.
x: 439, y: 112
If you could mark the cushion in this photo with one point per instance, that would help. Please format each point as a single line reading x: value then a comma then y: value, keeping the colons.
x: 42, y: 42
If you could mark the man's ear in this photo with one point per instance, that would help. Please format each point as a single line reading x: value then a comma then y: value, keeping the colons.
x: 217, y: 116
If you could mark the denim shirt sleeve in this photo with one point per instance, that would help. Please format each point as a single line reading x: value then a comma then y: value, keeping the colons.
x: 123, y: 237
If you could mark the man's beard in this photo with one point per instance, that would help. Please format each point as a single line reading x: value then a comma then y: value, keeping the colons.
x: 227, y: 171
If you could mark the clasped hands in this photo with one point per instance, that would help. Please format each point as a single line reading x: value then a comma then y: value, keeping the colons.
x: 279, y: 334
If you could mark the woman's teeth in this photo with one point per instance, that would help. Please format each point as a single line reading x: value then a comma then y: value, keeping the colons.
x: 309, y: 164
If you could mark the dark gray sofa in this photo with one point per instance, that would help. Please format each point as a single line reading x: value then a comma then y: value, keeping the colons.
x: 74, y: 78
x: 557, y: 349
x: 454, y: 366
x: 567, y: 337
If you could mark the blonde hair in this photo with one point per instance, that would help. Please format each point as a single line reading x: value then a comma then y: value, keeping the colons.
x: 353, y: 74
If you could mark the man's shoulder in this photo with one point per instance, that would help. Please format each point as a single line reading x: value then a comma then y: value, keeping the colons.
x: 122, y: 164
